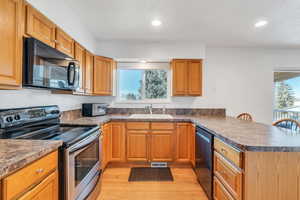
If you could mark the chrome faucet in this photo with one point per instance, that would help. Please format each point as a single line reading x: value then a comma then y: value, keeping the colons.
x: 164, y: 109
x: 149, y: 108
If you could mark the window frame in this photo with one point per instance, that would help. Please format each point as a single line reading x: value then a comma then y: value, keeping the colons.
x: 144, y: 66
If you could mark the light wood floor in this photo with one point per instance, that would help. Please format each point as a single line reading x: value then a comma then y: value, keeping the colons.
x: 115, y: 186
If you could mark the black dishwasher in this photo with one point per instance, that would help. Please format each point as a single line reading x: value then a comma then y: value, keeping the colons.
x: 204, y: 160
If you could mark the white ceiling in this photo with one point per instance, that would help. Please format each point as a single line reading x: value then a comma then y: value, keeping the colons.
x: 212, y: 22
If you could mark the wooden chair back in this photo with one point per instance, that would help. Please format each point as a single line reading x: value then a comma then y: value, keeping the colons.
x: 288, y: 123
x: 245, y: 116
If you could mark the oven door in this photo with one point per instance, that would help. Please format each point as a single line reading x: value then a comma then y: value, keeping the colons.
x: 82, y: 167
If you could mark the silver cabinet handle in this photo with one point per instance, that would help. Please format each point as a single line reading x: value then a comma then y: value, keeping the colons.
x: 40, y: 170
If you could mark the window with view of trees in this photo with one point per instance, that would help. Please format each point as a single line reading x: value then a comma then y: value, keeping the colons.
x: 287, y: 95
x: 142, y: 84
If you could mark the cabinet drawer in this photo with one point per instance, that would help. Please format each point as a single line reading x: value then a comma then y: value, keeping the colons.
x: 229, y: 175
x: 162, y: 126
x: 220, y: 192
x: 20, y: 181
x: 138, y: 125
x: 232, y: 154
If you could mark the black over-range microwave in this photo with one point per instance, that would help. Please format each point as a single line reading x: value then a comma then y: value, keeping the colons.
x: 46, y: 67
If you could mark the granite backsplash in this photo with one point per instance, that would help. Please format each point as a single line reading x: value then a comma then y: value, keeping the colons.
x: 218, y: 112
x: 172, y: 111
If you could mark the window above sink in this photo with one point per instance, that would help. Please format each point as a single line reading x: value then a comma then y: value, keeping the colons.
x: 143, y: 82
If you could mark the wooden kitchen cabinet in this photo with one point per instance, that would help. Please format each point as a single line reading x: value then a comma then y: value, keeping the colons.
x: 183, y: 142
x: 46, y: 190
x: 106, y: 147
x: 11, y: 44
x: 195, y: 78
x: 89, y: 72
x: 162, y: 146
x: 103, y: 75
x: 180, y: 77
x: 64, y: 42
x: 80, y: 56
x: 137, y: 148
x: 187, y: 77
x: 229, y: 175
x: 40, y: 27
x: 193, y: 144
x: 37, y: 180
x: 220, y: 193
x: 117, y: 141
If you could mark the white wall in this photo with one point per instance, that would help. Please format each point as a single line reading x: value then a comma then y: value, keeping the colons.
x: 150, y: 50
x: 38, y: 97
x: 62, y: 15
x: 244, y: 78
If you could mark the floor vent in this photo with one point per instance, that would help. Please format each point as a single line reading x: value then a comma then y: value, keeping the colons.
x: 159, y: 164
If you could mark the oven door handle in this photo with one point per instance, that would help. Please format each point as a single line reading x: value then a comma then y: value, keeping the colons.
x: 71, y: 73
x: 84, y: 142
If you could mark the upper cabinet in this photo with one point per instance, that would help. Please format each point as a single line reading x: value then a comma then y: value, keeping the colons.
x: 80, y: 56
x: 89, y: 71
x: 180, y: 77
x: 11, y: 44
x: 64, y: 42
x: 103, y: 75
x: 187, y: 77
x: 40, y: 27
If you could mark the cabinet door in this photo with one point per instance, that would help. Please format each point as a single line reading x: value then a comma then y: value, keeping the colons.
x: 11, y: 44
x: 137, y: 145
x: 180, y: 75
x: 162, y: 146
x: 46, y: 190
x: 64, y: 43
x: 103, y: 76
x: 117, y: 141
x: 192, y: 130
x: 89, y: 72
x: 40, y: 27
x: 106, y: 147
x: 80, y: 56
x: 195, y: 77
x: 183, y: 142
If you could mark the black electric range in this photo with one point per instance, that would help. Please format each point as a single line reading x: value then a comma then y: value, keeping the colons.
x: 41, y: 123
x: 79, y: 156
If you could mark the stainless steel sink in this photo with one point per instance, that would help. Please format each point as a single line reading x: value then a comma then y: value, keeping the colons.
x: 150, y: 116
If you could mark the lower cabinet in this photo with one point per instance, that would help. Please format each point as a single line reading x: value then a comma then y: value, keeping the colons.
x: 36, y: 181
x: 137, y: 148
x: 106, y: 130
x: 117, y: 141
x: 46, y: 190
x: 151, y: 142
x: 220, y: 193
x: 147, y: 142
x: 183, y: 142
x: 162, y: 146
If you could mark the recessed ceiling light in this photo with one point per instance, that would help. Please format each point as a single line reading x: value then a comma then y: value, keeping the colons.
x: 261, y: 23
x: 143, y: 61
x: 156, y: 23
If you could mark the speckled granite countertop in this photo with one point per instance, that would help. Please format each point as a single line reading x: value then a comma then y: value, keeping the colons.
x: 15, y: 154
x: 248, y: 136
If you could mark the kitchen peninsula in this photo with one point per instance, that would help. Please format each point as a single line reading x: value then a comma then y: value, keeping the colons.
x: 246, y: 153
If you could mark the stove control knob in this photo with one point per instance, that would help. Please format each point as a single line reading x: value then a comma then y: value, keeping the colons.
x: 9, y: 119
x: 17, y: 117
x: 54, y: 112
